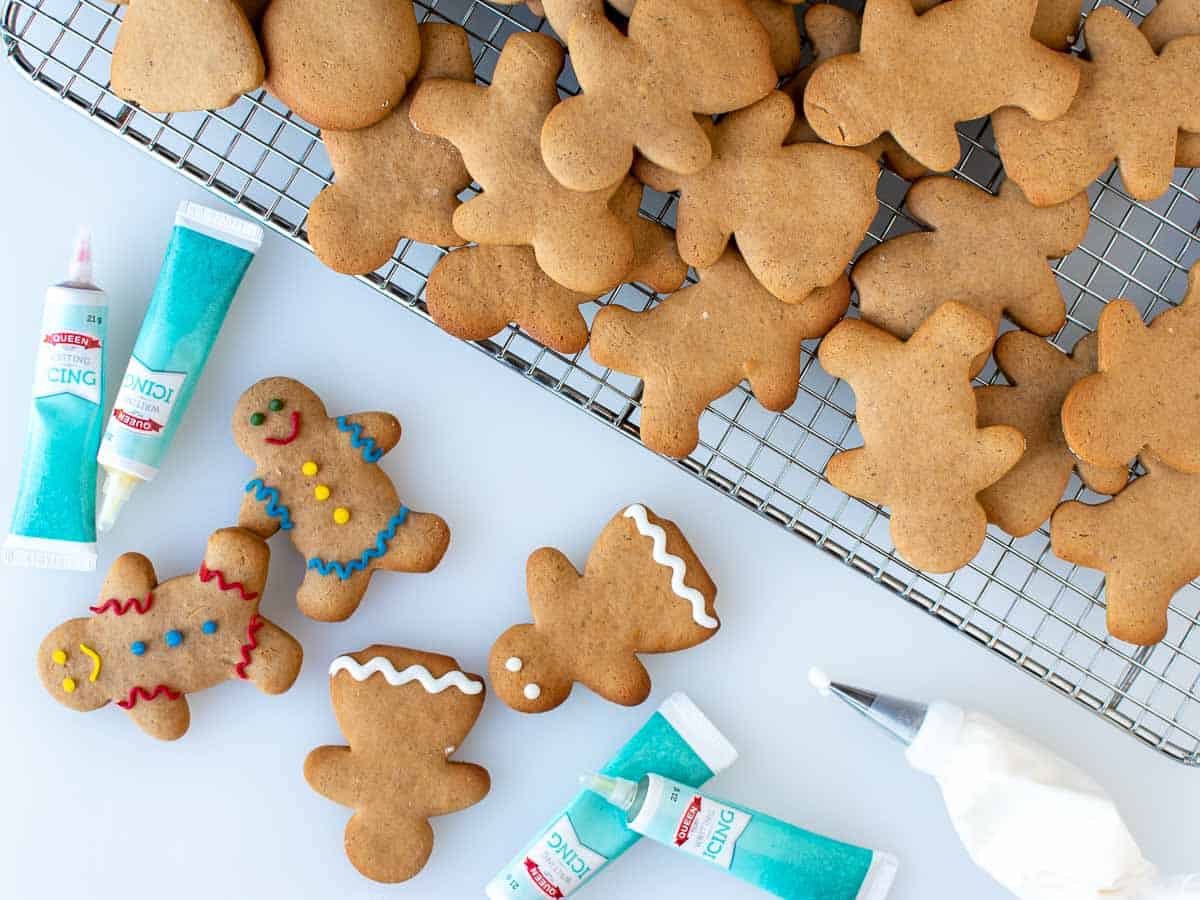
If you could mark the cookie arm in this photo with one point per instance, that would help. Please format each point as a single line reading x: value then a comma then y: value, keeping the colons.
x: 131, y: 575
x: 274, y: 657
x: 622, y: 679
x: 381, y: 427
x: 459, y: 786
x: 253, y: 516
x: 332, y: 773
x: 162, y: 717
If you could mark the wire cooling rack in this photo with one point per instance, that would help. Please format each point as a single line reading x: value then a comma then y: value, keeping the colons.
x: 1041, y: 614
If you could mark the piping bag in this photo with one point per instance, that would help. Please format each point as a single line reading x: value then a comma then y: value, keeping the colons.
x: 1033, y: 821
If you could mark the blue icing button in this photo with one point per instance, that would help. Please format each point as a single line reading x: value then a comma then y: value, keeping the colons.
x: 209, y: 627
x: 137, y: 648
x: 173, y: 638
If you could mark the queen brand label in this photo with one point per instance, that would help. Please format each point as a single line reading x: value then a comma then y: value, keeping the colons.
x: 68, y: 362
x: 705, y: 827
x: 146, y: 398
x: 558, y: 863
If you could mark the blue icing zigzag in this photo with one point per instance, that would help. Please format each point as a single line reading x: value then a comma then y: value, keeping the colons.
x: 275, y: 509
x: 344, y: 570
x: 370, y: 452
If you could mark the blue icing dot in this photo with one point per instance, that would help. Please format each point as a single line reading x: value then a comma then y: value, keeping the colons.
x: 173, y: 638
x: 209, y: 627
x: 137, y: 648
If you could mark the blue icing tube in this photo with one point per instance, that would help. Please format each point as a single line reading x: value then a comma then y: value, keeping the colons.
x: 208, y: 254
x: 53, y: 523
x: 590, y: 832
x: 766, y: 852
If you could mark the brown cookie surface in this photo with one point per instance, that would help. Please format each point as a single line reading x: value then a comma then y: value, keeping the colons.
x: 1130, y: 108
x: 779, y: 19
x: 318, y: 479
x: 923, y: 454
x: 1144, y: 396
x: 1172, y: 19
x: 698, y: 344
x: 794, y: 240
x: 578, y: 240
x: 1040, y: 377
x: 1145, y: 541
x: 177, y: 55
x: 149, y: 644
x: 340, y: 65
x: 643, y: 590
x: 404, y: 713
x: 641, y: 90
x: 912, y: 77
x: 392, y: 181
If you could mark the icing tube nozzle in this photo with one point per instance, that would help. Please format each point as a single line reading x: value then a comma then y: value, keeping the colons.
x: 898, y: 717
x: 620, y: 792
x: 79, y: 270
x: 118, y: 486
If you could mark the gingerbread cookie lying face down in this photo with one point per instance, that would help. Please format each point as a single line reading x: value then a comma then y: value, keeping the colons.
x: 643, y: 590
x: 318, y: 479
x: 404, y: 713
x: 922, y: 453
x: 914, y: 78
x: 148, y: 644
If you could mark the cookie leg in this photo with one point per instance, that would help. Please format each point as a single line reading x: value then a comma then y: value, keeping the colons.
x: 162, y: 717
x: 387, y: 845
x: 274, y: 660
x: 419, y: 544
x: 328, y: 598
x: 1137, y: 612
x: 237, y: 559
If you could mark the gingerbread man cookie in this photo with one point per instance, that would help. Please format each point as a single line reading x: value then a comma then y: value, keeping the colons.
x: 177, y: 55
x: 1040, y: 376
x: 642, y: 90
x: 1145, y: 541
x: 392, y: 182
x: 318, y: 479
x: 643, y: 590
x: 913, y: 77
x: 1144, y: 396
x: 922, y: 453
x: 404, y: 713
x: 698, y: 344
x: 1169, y: 20
x: 793, y: 240
x: 1131, y: 106
x: 148, y: 644
x: 988, y: 252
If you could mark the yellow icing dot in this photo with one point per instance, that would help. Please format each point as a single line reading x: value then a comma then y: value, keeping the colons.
x: 321, y: 492
x: 309, y: 468
x: 59, y: 657
x: 69, y: 685
x: 341, y: 515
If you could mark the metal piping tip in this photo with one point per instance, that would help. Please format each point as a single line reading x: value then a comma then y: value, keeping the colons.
x: 898, y: 717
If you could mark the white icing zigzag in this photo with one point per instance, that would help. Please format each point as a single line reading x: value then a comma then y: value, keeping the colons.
x: 420, y: 674
x: 678, y: 568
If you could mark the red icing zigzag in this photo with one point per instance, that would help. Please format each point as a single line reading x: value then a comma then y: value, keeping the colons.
x: 206, y: 575
x: 250, y: 645
x: 113, y: 604
x: 139, y: 692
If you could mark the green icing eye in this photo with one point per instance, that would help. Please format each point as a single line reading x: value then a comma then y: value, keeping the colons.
x: 257, y: 419
x: 275, y: 405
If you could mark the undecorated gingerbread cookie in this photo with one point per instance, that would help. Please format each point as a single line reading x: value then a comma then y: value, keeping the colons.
x: 1169, y: 20
x: 923, y: 454
x: 318, y: 478
x: 643, y: 590
x: 1131, y: 106
x: 1055, y: 25
x: 918, y: 75
x: 149, y: 644
x: 642, y: 90
x: 794, y: 240
x: 1039, y: 375
x: 1146, y: 542
x: 1145, y: 394
x: 404, y: 713
x: 698, y: 344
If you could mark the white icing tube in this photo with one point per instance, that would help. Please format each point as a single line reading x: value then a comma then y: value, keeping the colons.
x: 379, y: 664
x: 678, y: 568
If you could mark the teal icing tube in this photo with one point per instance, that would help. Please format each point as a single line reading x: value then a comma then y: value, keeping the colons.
x: 590, y: 833
x: 54, y: 519
x: 208, y: 254
x: 766, y: 852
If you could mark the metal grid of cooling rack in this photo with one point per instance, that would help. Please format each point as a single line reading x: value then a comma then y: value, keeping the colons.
x: 1041, y: 614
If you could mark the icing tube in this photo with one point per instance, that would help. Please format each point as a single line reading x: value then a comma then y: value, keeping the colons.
x: 208, y: 254
x: 54, y: 519
x: 766, y: 852
x: 589, y: 833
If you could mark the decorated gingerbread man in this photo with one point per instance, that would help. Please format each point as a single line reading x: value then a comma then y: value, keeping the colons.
x: 149, y: 644
x: 318, y: 478
x: 643, y: 590
x: 404, y: 713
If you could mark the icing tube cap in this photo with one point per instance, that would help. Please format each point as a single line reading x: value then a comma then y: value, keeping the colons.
x: 79, y: 270
x: 113, y: 496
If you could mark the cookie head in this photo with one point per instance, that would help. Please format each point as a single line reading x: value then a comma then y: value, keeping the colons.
x: 526, y: 672
x: 837, y: 84
x: 276, y: 415
x: 70, y: 667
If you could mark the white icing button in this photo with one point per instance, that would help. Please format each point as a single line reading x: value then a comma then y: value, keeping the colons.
x: 513, y: 664
x: 532, y: 692
x: 449, y: 750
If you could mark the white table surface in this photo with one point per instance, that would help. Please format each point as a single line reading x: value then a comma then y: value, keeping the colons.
x: 94, y: 808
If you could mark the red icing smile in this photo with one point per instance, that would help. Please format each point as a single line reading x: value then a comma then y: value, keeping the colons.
x: 291, y: 437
